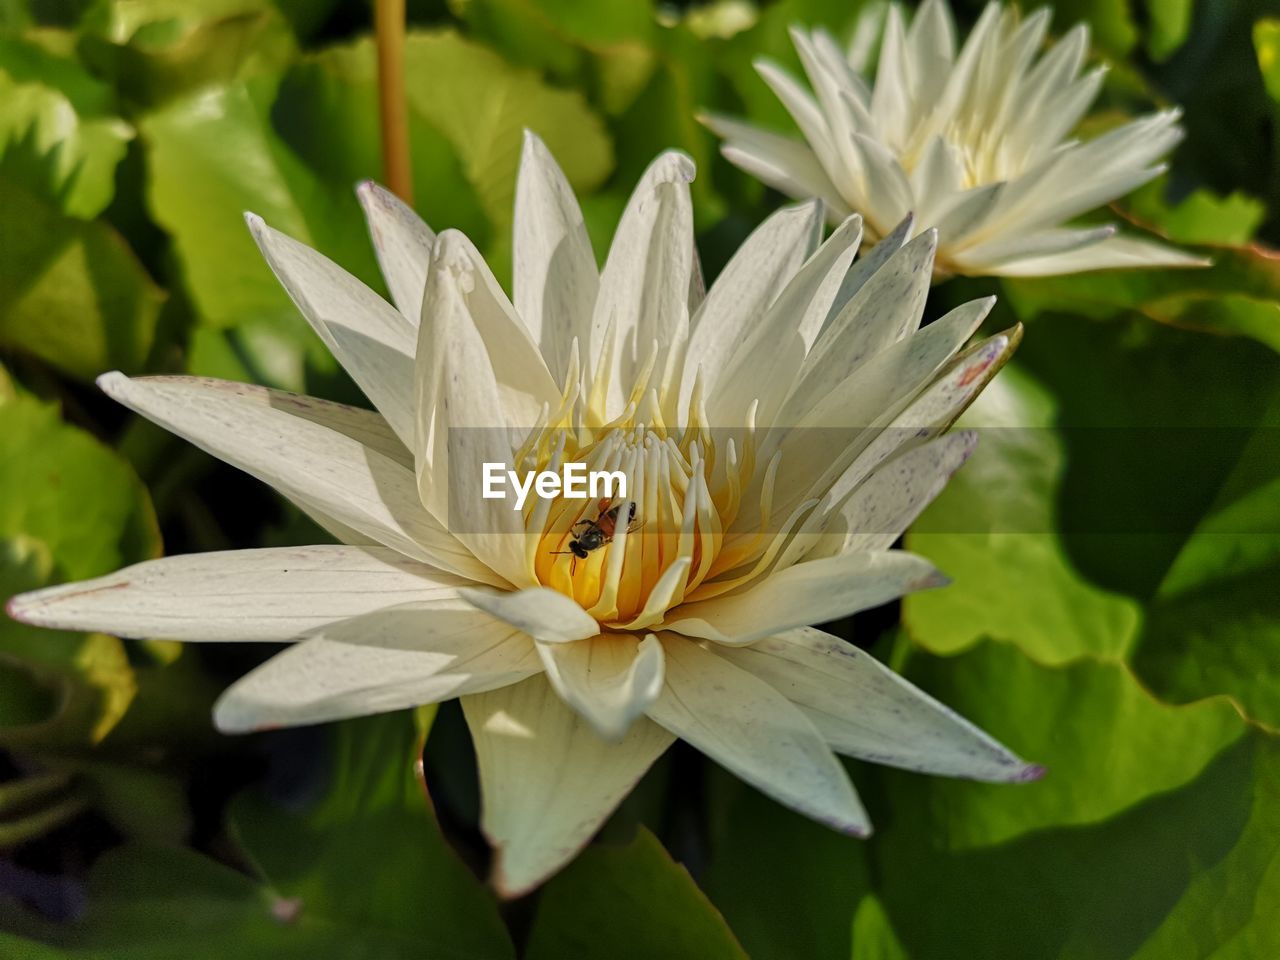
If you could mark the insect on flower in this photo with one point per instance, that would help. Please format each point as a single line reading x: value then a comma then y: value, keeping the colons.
x: 598, y: 532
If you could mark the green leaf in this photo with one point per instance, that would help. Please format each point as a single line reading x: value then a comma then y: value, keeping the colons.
x: 1202, y: 217
x: 64, y: 491
x: 365, y: 874
x: 336, y: 89
x: 1111, y: 23
x: 1228, y: 117
x: 71, y: 290
x: 1106, y: 743
x: 788, y: 886
x: 994, y: 531
x: 154, y: 51
x: 1238, y: 295
x: 214, y: 156
x: 628, y: 902
x: 481, y: 105
x: 68, y: 114
x: 1150, y: 448
x: 1138, y: 843
x: 1168, y: 25
x: 69, y: 510
x: 1214, y: 625
x: 1266, y: 40
x: 420, y: 899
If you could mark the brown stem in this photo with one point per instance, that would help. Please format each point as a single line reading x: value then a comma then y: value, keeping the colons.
x: 388, y: 21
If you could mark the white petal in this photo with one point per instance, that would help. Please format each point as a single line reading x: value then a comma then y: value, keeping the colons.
x: 891, y: 96
x: 878, y: 386
x: 752, y: 279
x: 274, y: 594
x: 865, y: 710
x: 1111, y: 254
x: 752, y: 730
x: 523, y: 381
x: 1034, y: 244
x: 964, y: 213
x: 334, y: 461
x: 888, y: 194
x: 554, y: 270
x: 900, y: 398
x: 402, y: 242
x: 887, y: 308
x: 784, y: 163
x: 767, y: 363
x: 400, y: 657
x: 644, y: 287
x: 542, y: 613
x: 888, y: 502
x: 925, y: 416
x: 467, y: 418
x: 931, y: 45
x: 806, y: 593
x: 808, y: 117
x: 610, y: 679
x: 370, y: 338
x: 547, y: 780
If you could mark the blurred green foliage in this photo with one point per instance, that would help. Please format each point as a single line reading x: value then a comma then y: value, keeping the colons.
x: 1115, y: 543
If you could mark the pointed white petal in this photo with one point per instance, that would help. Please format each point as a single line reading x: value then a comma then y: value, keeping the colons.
x: 887, y: 192
x: 370, y: 338
x: 885, y: 380
x: 334, y: 461
x: 809, y: 118
x: 888, y: 502
x: 766, y: 364
x: 865, y: 710
x: 1110, y: 254
x: 752, y: 279
x: 547, y: 780
x: 542, y: 613
x: 891, y: 96
x: 915, y: 410
x: 806, y: 593
x: 523, y: 382
x: 405, y: 656
x: 755, y: 732
x: 274, y: 594
x: 554, y: 270
x: 1036, y: 244
x: 784, y: 163
x: 610, y: 679
x: 964, y: 213
x: 931, y: 46
x: 469, y: 415
x: 402, y: 242
x: 887, y: 308
x: 644, y: 287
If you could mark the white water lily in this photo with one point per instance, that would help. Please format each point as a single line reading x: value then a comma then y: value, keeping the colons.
x: 976, y: 144
x: 576, y: 674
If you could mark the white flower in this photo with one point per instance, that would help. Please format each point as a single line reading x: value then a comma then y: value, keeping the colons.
x: 975, y: 144
x: 576, y: 674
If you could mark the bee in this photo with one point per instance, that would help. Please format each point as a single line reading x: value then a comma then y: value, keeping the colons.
x: 596, y: 533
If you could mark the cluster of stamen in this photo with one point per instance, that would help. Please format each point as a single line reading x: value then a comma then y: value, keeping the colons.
x: 636, y: 556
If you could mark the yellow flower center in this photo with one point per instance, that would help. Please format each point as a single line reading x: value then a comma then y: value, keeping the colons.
x: 628, y: 560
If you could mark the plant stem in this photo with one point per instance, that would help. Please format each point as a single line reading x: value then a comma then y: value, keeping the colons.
x: 388, y: 21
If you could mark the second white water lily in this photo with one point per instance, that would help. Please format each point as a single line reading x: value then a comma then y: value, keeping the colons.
x: 777, y: 433
x: 976, y: 142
